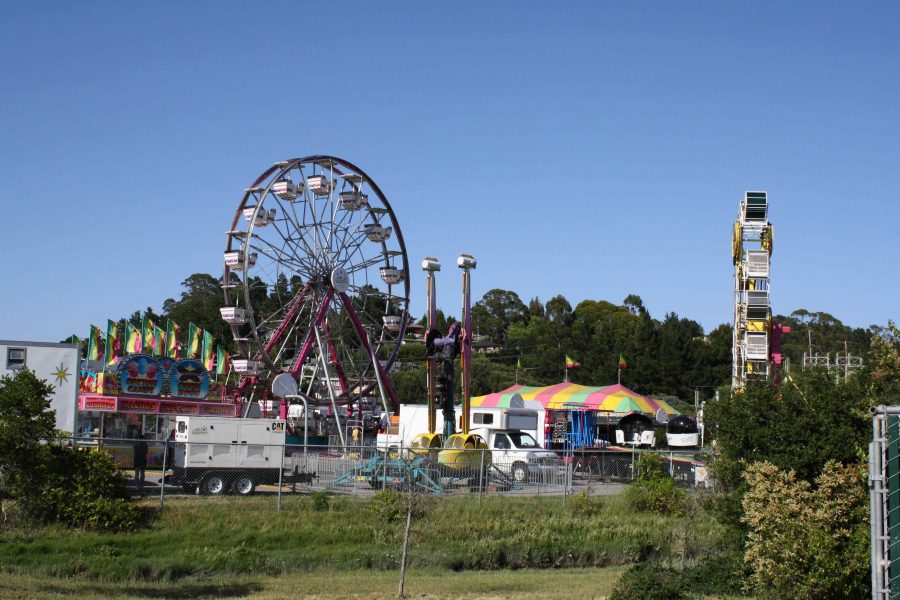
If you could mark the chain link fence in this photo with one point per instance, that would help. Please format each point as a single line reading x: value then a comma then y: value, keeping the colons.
x: 884, y: 502
x: 170, y: 470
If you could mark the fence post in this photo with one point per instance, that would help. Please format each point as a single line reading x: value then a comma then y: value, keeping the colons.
x: 384, y: 468
x: 671, y: 466
x: 481, y: 482
x: 280, y: 476
x: 162, y: 482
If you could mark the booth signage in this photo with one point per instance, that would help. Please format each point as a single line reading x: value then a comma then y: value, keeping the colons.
x: 188, y: 379
x: 141, y: 375
x: 143, y: 406
x: 97, y: 403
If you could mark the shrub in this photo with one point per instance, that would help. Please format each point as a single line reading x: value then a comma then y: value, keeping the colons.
x: 320, y: 501
x: 649, y: 581
x: 653, y: 490
x: 390, y: 506
x: 805, y: 540
x: 80, y: 488
x: 582, y: 505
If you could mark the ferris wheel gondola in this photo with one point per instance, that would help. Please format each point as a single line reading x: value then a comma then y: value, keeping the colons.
x: 316, y: 281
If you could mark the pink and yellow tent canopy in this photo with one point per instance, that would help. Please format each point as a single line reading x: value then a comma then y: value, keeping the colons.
x: 612, y: 398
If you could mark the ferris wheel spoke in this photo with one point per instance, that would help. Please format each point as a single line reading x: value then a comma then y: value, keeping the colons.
x: 356, y: 243
x: 287, y: 239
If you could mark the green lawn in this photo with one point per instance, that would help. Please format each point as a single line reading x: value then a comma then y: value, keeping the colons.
x: 530, y: 584
x: 242, y: 547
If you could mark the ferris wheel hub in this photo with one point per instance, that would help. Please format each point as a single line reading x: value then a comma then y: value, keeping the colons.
x: 340, y: 280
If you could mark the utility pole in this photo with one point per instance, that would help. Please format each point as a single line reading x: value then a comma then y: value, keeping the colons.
x: 846, y: 361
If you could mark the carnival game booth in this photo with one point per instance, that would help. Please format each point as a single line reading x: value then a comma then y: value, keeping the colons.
x: 577, y: 416
x: 142, y: 394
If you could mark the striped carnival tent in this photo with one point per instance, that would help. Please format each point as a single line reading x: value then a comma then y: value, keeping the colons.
x: 613, y: 398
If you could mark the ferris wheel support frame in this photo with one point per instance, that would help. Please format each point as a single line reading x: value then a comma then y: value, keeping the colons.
x: 364, y: 338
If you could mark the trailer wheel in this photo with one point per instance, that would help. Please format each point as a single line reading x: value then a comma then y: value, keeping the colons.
x: 244, y: 485
x: 214, y: 485
x: 520, y: 472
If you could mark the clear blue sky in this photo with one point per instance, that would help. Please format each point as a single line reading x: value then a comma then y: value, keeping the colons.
x: 589, y: 149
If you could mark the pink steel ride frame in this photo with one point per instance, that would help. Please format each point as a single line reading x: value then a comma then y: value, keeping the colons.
x: 307, y: 345
x: 332, y: 352
x: 365, y: 340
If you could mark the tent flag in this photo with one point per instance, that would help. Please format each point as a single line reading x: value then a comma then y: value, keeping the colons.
x: 222, y: 361
x: 206, y: 353
x: 134, y: 342
x: 173, y: 348
x: 622, y: 363
x: 193, y: 341
x: 95, y: 342
x: 113, y: 345
x: 519, y: 363
x: 570, y: 362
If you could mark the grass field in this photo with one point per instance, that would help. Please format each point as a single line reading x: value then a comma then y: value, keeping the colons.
x: 241, y: 547
x: 529, y: 584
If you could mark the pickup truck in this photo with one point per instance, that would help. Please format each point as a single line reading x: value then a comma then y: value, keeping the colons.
x: 517, y: 453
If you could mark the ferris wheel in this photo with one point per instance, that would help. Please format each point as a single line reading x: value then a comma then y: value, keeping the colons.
x: 316, y: 282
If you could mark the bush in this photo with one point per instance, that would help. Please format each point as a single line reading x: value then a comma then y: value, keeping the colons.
x: 320, y: 501
x: 805, y: 540
x: 80, y: 488
x: 390, y: 506
x: 653, y: 491
x: 649, y: 581
x: 582, y: 505
x: 716, y: 575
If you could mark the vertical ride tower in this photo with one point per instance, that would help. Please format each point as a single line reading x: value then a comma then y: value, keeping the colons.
x: 751, y: 251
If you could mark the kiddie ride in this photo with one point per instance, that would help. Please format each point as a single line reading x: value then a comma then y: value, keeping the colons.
x: 439, y: 461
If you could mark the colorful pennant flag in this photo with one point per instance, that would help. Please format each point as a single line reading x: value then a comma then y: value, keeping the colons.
x: 519, y: 363
x: 193, y: 341
x: 622, y: 363
x: 173, y: 348
x: 113, y: 345
x: 134, y: 342
x: 95, y: 342
x: 206, y: 354
x: 223, y: 361
x: 160, y: 335
x: 570, y: 363
x: 148, y: 335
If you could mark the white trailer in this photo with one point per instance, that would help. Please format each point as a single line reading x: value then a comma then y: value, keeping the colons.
x: 216, y: 455
x: 57, y: 364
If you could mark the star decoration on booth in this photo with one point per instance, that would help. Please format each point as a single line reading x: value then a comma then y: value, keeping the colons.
x: 62, y: 374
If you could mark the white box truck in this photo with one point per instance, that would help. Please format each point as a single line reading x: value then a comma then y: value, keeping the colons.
x: 218, y: 455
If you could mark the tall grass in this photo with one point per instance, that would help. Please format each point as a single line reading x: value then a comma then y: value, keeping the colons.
x: 245, y: 537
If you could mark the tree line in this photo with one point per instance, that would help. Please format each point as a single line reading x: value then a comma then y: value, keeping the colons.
x: 669, y: 356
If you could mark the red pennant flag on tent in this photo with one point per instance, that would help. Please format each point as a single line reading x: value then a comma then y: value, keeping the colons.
x: 622, y: 363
